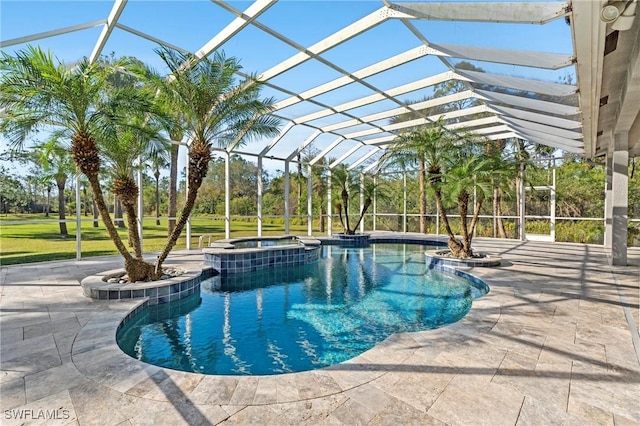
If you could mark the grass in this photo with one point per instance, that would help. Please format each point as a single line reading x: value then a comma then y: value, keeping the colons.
x: 39, y: 242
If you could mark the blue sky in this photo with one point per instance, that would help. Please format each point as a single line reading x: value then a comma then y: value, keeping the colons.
x: 190, y: 24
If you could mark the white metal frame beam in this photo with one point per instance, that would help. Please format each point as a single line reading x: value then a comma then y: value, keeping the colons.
x: 523, y: 58
x: 362, y: 159
x: 536, y: 117
x: 112, y: 20
x: 345, y: 155
x: 369, y: 71
x: 588, y: 44
x: 366, y: 100
x: 528, y: 103
x: 518, y: 13
x: 304, y: 144
x: 52, y: 33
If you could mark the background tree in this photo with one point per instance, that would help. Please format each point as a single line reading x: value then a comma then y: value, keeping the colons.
x: 348, y: 183
x: 53, y: 155
x: 158, y: 152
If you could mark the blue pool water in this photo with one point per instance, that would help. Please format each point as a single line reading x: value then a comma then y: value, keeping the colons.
x: 300, y: 318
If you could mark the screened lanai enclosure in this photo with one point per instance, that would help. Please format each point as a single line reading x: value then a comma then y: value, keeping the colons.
x: 560, y: 79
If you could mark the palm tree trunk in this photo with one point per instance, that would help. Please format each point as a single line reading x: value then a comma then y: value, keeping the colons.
x: 48, y: 200
x: 199, y: 157
x: 365, y: 207
x: 474, y: 222
x: 454, y: 244
x: 132, y: 228
x: 86, y: 200
x: 345, y: 205
x: 117, y: 212
x: 86, y: 156
x: 94, y: 209
x: 494, y: 211
x: 157, y: 176
x: 322, y: 213
x: 463, y: 207
x: 344, y: 227
x: 61, y: 182
x: 192, y: 194
x: 98, y: 198
x: 502, y: 233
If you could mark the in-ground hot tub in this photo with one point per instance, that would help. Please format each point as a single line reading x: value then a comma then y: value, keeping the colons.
x: 265, y: 242
x: 253, y: 254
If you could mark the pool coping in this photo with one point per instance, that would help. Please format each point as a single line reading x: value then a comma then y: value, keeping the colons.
x: 437, y: 260
x: 159, y: 291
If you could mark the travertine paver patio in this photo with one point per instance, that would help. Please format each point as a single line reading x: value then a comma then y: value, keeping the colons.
x: 550, y: 344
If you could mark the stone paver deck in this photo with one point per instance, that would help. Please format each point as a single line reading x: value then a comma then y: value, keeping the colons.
x: 552, y: 343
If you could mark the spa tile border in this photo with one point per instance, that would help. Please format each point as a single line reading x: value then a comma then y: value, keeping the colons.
x: 161, y: 291
x: 234, y: 261
x: 435, y: 261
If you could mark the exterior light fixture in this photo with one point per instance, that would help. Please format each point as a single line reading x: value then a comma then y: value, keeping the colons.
x: 620, y: 14
x: 612, y: 11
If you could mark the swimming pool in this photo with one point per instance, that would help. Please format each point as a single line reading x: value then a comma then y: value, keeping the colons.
x: 302, y: 317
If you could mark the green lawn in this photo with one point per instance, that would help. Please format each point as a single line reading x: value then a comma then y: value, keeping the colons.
x: 38, y: 242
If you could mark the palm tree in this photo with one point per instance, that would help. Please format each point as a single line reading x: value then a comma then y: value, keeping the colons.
x: 437, y: 148
x: 470, y: 171
x: 40, y: 92
x: 407, y: 153
x: 216, y: 109
x: 368, y: 192
x: 342, y: 180
x: 346, y: 182
x: 53, y: 156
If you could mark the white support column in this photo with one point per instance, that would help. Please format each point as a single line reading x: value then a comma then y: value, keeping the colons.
x: 553, y: 206
x: 329, y: 207
x: 375, y: 196
x: 404, y: 202
x: 309, y: 201
x: 608, y: 202
x: 188, y: 230
x: 227, y: 195
x: 521, y: 206
x: 361, y: 201
x: 286, y: 197
x: 78, y: 220
x: 140, y: 205
x: 620, y: 198
x: 260, y: 189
